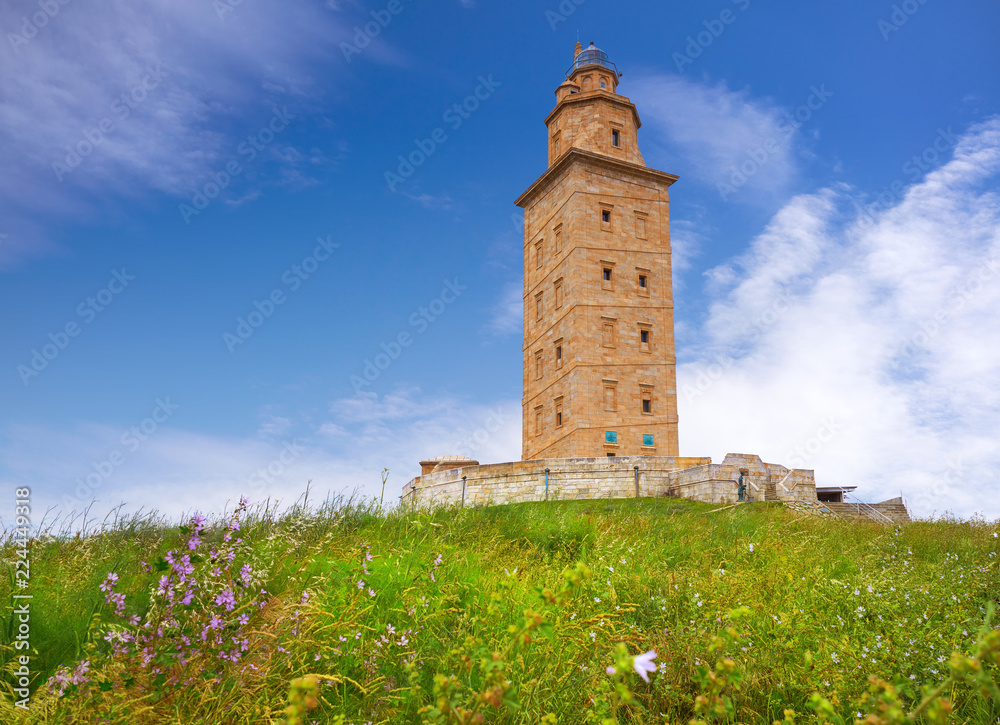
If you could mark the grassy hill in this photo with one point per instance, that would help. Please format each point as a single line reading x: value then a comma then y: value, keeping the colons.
x: 528, y: 613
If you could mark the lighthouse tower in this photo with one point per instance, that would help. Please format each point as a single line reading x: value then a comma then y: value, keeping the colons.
x: 599, y: 364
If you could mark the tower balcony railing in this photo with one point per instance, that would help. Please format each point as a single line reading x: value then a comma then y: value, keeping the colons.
x: 589, y: 58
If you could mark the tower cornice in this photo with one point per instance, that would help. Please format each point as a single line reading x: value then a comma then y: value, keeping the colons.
x: 596, y: 95
x: 576, y: 155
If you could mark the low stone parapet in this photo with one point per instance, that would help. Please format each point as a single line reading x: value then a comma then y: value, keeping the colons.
x: 594, y: 478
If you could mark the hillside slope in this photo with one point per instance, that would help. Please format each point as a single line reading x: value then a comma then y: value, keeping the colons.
x: 510, y: 613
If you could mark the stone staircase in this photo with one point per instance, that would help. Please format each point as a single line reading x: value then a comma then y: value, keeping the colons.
x: 893, y: 509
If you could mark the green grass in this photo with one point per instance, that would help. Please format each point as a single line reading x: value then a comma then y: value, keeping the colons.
x: 830, y: 603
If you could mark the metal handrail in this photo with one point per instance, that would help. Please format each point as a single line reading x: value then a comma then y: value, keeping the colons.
x: 869, y: 510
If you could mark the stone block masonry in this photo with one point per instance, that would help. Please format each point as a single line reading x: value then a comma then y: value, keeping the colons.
x: 559, y: 479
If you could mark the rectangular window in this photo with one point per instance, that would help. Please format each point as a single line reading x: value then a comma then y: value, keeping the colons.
x: 558, y: 293
x: 607, y: 275
x: 605, y: 216
x: 559, y: 357
x: 559, y: 413
x: 557, y: 247
x: 616, y: 138
x: 538, y: 306
x: 539, y: 369
x: 645, y: 339
x: 642, y: 282
x: 647, y: 401
x: 538, y: 254
x: 538, y: 420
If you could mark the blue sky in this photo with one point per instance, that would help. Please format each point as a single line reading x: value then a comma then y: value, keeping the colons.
x: 835, y: 230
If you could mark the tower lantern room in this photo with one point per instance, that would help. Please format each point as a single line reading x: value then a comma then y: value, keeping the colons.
x: 589, y: 113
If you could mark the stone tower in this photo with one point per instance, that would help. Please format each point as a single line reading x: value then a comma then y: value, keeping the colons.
x: 599, y: 365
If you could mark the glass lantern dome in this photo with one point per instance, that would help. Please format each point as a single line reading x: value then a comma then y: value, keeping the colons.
x: 592, y: 56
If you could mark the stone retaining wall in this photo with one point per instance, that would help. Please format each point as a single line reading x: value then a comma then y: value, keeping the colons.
x: 593, y: 478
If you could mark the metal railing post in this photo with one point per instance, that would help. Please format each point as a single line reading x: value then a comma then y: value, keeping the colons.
x: 465, y: 481
x: 637, y: 482
x: 546, y: 484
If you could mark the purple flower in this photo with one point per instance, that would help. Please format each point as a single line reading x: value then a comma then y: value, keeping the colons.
x: 243, y: 619
x: 644, y: 664
x: 79, y: 676
x: 227, y: 599
x: 109, y: 582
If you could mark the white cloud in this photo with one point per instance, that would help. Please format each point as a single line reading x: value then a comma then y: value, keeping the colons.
x: 715, y: 131
x: 56, y: 88
x: 507, y: 315
x: 885, y: 332
x: 430, y: 201
x: 175, y: 471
